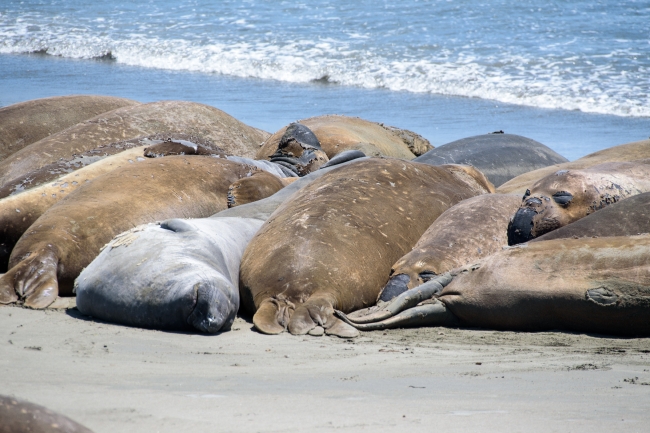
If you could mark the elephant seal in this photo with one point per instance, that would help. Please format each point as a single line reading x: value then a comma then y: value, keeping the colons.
x: 20, y: 416
x: 18, y: 212
x: 69, y: 235
x: 178, y: 275
x: 336, y: 134
x: 568, y: 195
x: 299, y: 150
x: 500, y: 157
x: 594, y: 285
x: 625, y: 152
x: 159, y: 145
x: 624, y: 218
x: 463, y: 234
x: 332, y: 244
x: 27, y: 122
x: 199, y: 120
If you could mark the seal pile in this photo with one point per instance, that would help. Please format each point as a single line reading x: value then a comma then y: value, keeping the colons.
x: 174, y: 215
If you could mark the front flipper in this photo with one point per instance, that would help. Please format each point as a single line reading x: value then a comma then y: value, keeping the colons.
x: 33, y: 280
x: 316, y: 316
x: 406, y: 300
x: 260, y: 185
x: 429, y: 313
x: 273, y: 315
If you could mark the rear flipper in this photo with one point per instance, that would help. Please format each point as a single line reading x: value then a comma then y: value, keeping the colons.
x: 33, y: 281
x: 315, y: 317
x: 428, y: 313
x: 273, y: 315
x: 411, y: 308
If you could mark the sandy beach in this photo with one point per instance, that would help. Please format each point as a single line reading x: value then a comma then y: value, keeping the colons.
x: 113, y: 378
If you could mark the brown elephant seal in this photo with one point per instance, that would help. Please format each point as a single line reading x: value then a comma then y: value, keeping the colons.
x: 18, y: 212
x: 27, y: 122
x: 332, y: 244
x: 594, y: 285
x: 158, y: 145
x: 69, y: 235
x: 199, y: 120
x: 20, y: 416
x: 500, y: 157
x: 336, y: 134
x: 625, y: 152
x: 624, y: 218
x: 465, y: 233
x: 568, y: 195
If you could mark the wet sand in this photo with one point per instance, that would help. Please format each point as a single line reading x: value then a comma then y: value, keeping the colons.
x: 113, y: 378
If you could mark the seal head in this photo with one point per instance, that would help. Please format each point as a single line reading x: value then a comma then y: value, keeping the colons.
x: 299, y: 150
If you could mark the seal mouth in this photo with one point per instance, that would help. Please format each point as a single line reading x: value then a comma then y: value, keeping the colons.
x: 397, y: 285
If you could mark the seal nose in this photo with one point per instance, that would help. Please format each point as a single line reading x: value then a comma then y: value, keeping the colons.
x: 394, y: 287
x: 521, y: 225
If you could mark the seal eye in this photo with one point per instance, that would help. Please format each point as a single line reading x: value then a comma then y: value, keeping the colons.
x: 562, y: 198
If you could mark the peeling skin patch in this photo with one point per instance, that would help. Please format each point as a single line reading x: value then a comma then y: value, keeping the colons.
x: 601, y: 296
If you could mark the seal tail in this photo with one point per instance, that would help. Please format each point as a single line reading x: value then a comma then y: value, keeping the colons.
x: 33, y: 280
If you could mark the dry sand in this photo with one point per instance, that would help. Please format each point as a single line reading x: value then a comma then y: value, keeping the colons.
x: 117, y: 379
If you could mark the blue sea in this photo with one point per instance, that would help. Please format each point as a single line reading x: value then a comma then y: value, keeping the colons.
x: 574, y: 75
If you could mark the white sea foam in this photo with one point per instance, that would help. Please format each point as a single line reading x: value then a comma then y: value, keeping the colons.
x: 571, y: 82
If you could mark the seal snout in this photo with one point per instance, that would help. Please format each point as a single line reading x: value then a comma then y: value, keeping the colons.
x: 397, y: 285
x: 521, y: 226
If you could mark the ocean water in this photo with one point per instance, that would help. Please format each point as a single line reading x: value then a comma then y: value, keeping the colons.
x: 573, y: 75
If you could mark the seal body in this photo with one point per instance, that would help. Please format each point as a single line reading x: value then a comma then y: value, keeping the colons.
x: 500, y: 157
x: 464, y: 234
x: 18, y: 212
x: 622, y: 153
x: 27, y: 122
x: 332, y: 244
x: 336, y: 134
x: 568, y: 195
x: 199, y: 120
x: 19, y: 416
x: 69, y: 235
x: 597, y: 285
x: 177, y: 275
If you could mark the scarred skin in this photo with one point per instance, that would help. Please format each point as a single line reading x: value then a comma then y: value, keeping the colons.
x: 568, y: 195
x: 624, y: 152
x: 199, y: 120
x: 339, y: 133
x: 66, y: 238
x: 27, y: 122
x: 332, y: 244
x: 465, y: 233
x: 587, y: 285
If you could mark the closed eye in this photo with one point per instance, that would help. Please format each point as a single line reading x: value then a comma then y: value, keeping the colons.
x: 562, y: 197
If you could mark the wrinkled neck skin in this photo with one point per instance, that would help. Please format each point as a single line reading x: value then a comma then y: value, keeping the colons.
x: 563, y: 198
x: 299, y: 150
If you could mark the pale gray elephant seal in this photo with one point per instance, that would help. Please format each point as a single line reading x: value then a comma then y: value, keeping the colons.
x: 595, y: 285
x: 19, y: 416
x: 332, y: 244
x: 177, y: 275
x: 568, y: 195
x: 500, y: 157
